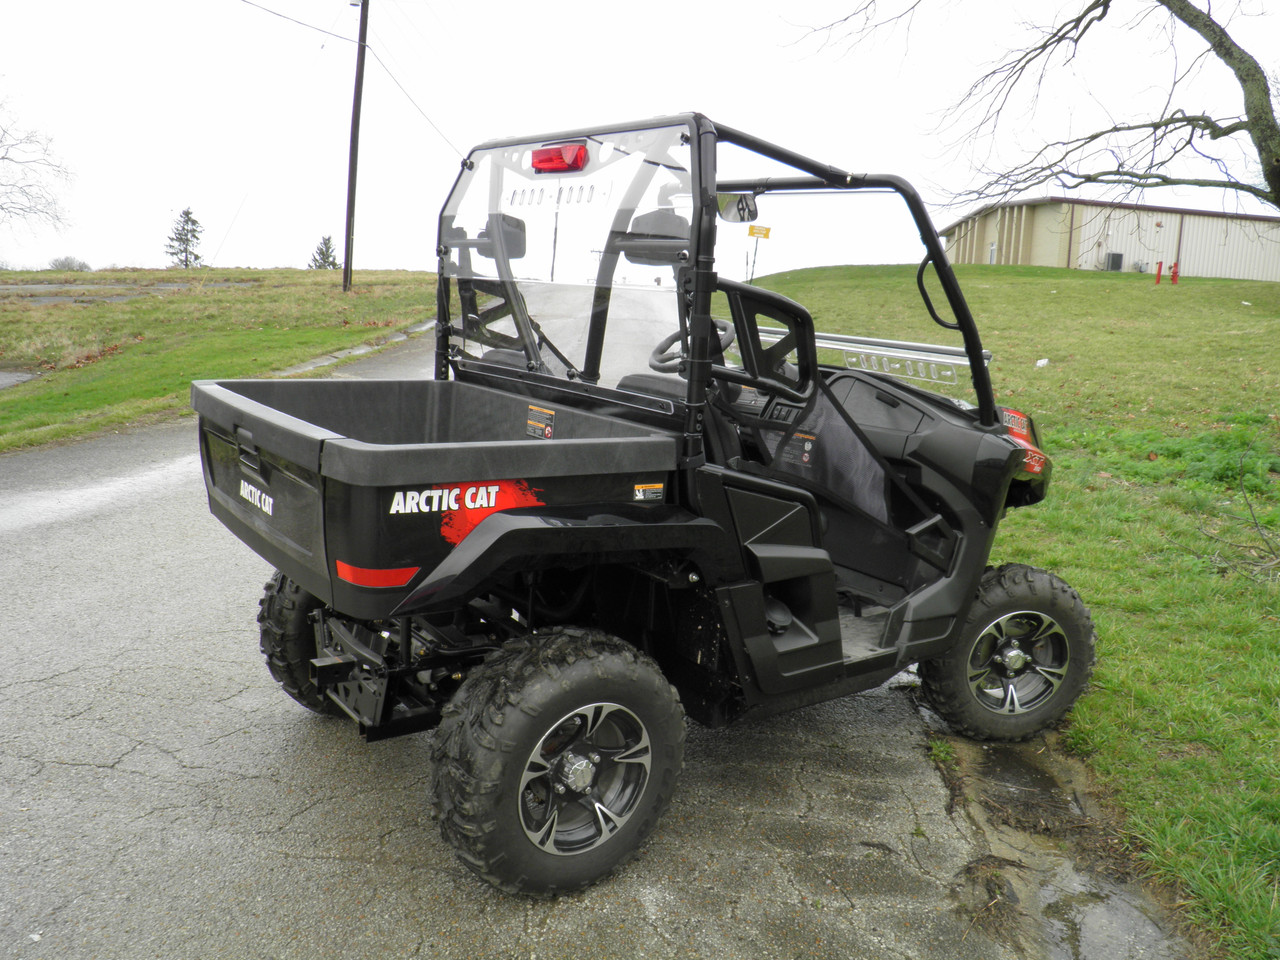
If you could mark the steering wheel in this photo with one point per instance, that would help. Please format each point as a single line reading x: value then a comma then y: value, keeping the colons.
x: 664, y: 359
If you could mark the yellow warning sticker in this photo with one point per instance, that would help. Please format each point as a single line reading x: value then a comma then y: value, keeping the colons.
x: 649, y: 491
x: 541, y: 423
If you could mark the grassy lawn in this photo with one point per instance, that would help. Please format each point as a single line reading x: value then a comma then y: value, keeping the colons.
x: 109, y: 361
x: 1159, y: 405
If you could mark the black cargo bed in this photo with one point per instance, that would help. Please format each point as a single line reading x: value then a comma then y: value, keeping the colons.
x: 313, y: 474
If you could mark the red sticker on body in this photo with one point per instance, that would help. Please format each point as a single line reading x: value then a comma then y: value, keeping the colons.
x: 463, y: 506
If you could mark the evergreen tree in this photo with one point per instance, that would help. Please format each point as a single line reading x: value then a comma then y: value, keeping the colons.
x: 323, y: 258
x: 184, y: 240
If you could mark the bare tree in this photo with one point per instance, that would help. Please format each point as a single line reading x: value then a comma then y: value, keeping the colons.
x: 69, y: 264
x: 27, y: 172
x: 1237, y: 151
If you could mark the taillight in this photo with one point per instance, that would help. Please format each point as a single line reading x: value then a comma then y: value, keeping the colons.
x: 383, y: 577
x: 560, y: 158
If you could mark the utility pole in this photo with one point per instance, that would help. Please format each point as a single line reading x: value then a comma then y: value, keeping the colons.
x: 355, y: 143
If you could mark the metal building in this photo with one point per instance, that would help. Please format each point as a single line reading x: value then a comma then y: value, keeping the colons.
x: 1095, y: 235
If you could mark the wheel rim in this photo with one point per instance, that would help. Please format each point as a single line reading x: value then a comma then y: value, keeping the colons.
x: 584, y: 779
x: 1018, y: 662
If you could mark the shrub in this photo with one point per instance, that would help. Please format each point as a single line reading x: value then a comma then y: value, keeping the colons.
x: 69, y: 263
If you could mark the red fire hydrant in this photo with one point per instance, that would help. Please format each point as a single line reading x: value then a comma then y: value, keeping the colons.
x: 1173, y: 274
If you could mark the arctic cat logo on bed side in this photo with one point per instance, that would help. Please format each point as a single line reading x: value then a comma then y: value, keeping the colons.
x: 462, y: 508
x: 437, y: 499
x: 262, y: 501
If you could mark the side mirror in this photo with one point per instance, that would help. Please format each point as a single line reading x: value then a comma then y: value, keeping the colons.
x: 737, y: 207
x: 505, y: 234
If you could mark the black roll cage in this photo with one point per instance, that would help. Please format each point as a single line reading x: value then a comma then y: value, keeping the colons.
x: 824, y: 177
x: 697, y: 278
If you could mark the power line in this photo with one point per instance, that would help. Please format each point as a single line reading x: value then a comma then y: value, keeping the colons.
x: 414, y: 102
x: 309, y: 26
x: 381, y: 63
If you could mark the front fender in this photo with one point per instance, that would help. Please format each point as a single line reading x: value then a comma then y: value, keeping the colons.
x: 516, y: 540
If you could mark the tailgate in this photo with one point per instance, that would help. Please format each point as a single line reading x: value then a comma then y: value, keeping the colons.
x: 262, y: 474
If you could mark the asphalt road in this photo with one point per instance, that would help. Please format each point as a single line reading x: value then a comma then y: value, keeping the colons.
x: 161, y: 797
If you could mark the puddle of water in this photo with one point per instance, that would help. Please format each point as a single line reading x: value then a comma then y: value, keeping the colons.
x: 1053, y: 868
x: 1091, y: 919
x: 10, y: 378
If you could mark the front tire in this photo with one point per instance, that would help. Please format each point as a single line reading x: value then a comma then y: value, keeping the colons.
x: 1026, y: 655
x: 555, y: 759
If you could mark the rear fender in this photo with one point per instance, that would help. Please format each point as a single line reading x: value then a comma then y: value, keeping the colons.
x: 506, y: 543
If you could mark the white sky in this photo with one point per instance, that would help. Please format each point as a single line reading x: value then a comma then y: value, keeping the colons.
x: 157, y: 105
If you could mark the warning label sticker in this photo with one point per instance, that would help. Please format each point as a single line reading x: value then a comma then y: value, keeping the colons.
x: 801, y: 450
x: 542, y: 423
x: 649, y: 491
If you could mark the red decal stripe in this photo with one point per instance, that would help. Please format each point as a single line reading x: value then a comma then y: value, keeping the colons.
x: 362, y: 577
x: 455, y: 525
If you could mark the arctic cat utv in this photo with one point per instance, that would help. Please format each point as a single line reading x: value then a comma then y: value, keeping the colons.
x: 637, y: 489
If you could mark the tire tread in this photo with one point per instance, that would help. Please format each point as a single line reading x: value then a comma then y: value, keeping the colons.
x: 1009, y: 585
x: 471, y: 752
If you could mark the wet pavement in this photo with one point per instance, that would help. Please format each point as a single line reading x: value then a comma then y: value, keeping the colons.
x: 161, y: 797
x: 1057, y: 880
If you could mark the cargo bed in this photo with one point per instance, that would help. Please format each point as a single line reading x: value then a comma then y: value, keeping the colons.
x: 347, y: 486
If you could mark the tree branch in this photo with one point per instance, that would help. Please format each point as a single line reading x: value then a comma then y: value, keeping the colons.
x: 865, y: 22
x: 26, y: 168
x: 1156, y: 143
x: 994, y: 88
x: 1166, y: 150
x: 1259, y: 102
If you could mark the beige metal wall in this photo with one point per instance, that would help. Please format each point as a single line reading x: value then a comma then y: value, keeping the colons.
x: 1080, y: 236
x: 1221, y: 247
x: 1143, y: 238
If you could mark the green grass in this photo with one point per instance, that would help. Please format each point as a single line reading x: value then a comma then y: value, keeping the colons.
x: 104, y: 363
x: 1159, y: 408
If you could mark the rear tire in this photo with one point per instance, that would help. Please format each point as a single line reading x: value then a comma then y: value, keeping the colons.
x: 288, y: 640
x: 555, y: 759
x: 1026, y: 655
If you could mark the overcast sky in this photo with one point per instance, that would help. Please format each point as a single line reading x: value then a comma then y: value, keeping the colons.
x: 244, y: 116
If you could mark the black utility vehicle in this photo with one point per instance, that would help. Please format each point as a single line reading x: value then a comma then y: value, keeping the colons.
x: 636, y: 489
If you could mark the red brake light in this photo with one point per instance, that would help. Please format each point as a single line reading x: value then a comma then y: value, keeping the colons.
x: 363, y: 577
x: 561, y: 158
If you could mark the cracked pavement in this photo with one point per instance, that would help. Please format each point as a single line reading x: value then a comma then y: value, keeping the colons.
x: 160, y: 796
